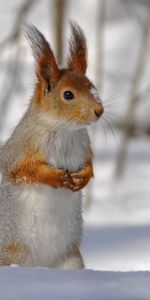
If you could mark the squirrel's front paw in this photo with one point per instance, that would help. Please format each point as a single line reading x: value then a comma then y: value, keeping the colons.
x: 80, y: 179
x: 58, y: 178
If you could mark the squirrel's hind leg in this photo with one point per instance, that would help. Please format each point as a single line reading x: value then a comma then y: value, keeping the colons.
x: 73, y: 260
x: 13, y: 253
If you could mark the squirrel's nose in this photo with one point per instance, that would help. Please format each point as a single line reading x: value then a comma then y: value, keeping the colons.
x: 99, y: 110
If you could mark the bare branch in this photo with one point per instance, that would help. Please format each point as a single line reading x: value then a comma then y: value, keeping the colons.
x: 13, y: 66
x: 11, y: 73
x: 22, y: 13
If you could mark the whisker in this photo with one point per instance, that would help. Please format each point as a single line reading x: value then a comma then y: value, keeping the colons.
x: 108, y: 124
x: 110, y: 115
x: 113, y: 105
x: 104, y: 130
x: 112, y: 101
x: 116, y: 95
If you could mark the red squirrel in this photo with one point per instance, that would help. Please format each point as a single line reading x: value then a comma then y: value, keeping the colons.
x: 47, y: 161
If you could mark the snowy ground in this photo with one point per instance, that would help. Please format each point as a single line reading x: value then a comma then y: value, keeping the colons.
x: 44, y: 284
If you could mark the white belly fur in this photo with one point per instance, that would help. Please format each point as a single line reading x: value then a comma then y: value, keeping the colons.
x: 56, y: 214
x: 51, y: 223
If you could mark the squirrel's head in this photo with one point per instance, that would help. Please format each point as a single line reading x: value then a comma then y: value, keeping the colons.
x: 64, y: 95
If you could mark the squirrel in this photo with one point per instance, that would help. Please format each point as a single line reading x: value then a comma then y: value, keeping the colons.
x: 47, y: 161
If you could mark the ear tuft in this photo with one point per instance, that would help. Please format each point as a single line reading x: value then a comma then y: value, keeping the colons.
x: 36, y: 40
x: 46, y: 66
x: 78, y: 49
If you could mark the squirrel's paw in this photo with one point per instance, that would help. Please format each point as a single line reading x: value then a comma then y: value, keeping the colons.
x: 60, y: 178
x: 80, y: 179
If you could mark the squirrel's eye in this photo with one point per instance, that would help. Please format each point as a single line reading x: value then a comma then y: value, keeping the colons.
x: 68, y: 95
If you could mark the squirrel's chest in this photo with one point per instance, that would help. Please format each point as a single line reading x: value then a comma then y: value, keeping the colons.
x: 68, y: 150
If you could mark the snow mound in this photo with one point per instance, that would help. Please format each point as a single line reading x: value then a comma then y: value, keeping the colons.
x: 45, y: 284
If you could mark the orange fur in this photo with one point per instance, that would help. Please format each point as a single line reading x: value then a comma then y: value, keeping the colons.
x: 82, y: 178
x: 47, y: 67
x: 33, y: 169
x: 5, y: 261
x: 12, y: 253
x: 47, y: 71
x: 52, y: 104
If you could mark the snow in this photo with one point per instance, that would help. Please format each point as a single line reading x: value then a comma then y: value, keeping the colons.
x: 117, y: 225
x: 94, y: 93
x: 39, y: 284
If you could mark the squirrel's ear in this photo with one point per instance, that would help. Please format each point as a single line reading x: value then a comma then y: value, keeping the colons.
x: 46, y: 66
x: 78, y: 50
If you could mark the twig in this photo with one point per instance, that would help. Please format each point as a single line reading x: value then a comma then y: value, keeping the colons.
x: 23, y: 11
x: 12, y: 67
x: 99, y: 57
x: 12, y: 70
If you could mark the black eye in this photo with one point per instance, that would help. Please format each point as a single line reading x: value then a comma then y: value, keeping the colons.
x: 68, y: 95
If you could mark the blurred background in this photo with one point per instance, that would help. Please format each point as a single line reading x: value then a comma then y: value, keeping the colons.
x: 117, y: 202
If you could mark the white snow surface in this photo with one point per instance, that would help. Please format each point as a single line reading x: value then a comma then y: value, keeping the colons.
x: 46, y: 284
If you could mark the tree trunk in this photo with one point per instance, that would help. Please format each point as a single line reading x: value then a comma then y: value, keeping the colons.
x: 134, y: 98
x: 60, y: 6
